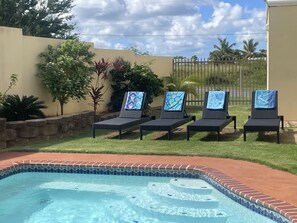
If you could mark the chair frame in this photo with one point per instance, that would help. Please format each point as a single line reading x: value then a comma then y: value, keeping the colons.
x: 127, y: 119
x: 263, y: 116
x: 173, y: 118
x: 212, y: 120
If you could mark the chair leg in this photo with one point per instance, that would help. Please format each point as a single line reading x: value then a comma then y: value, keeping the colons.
x: 278, y: 136
x: 282, y: 121
x: 140, y: 133
x: 234, y: 120
x: 244, y: 135
x: 120, y: 133
x: 93, y: 130
x: 188, y: 134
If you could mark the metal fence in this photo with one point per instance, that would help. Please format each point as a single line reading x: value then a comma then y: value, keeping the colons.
x: 239, y: 77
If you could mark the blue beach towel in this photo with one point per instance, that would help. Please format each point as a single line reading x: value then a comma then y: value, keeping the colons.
x: 134, y: 100
x: 174, y: 101
x: 216, y: 100
x: 265, y: 99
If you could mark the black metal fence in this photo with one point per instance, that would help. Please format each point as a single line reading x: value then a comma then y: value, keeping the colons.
x: 239, y: 77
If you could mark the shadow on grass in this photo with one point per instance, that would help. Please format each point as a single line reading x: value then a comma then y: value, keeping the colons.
x: 286, y: 137
x: 228, y: 134
x: 129, y: 134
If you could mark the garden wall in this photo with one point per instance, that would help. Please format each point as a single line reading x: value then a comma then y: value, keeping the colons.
x: 23, y: 132
x: 19, y: 54
x: 282, y: 48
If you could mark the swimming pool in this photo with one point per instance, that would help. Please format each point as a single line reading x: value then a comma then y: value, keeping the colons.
x: 48, y: 196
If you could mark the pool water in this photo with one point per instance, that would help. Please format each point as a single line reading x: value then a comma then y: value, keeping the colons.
x: 91, y: 198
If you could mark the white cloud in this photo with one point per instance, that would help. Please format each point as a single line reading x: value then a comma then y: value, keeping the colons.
x: 253, y: 27
x: 165, y: 27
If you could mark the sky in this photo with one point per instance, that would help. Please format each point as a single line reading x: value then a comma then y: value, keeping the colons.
x: 170, y: 27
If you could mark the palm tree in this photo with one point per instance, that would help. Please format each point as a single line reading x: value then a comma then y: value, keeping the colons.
x: 262, y: 53
x: 223, y: 51
x: 189, y: 84
x: 249, y: 48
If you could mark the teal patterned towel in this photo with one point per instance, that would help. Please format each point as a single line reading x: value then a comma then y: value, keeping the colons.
x: 216, y: 100
x: 265, y: 99
x: 134, y: 100
x: 174, y: 101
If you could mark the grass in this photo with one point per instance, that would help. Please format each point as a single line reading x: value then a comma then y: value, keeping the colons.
x: 260, y: 148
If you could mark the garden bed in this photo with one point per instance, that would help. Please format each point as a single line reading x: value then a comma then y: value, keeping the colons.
x: 22, y: 132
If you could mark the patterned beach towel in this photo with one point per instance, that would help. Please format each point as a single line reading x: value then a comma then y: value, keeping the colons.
x: 216, y: 100
x: 265, y: 99
x: 174, y: 101
x: 134, y: 100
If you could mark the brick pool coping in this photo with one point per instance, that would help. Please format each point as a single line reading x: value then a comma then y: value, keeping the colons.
x: 284, y: 208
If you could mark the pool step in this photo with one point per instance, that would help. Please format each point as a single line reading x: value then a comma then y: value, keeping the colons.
x: 190, y: 186
x: 124, y: 213
x: 84, y: 187
x: 67, y: 211
x: 167, y: 212
x: 165, y: 193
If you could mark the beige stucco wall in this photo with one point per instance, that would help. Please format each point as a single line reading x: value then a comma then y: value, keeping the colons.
x: 19, y: 54
x: 282, y: 56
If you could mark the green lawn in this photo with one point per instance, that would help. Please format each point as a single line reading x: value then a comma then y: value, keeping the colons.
x: 260, y: 148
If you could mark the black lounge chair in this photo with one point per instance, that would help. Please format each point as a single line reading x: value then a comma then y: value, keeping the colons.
x: 128, y: 117
x: 212, y: 119
x: 264, y: 119
x: 171, y: 116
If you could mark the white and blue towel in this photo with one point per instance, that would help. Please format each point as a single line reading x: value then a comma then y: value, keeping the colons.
x: 216, y: 100
x: 174, y: 101
x: 265, y: 99
x: 134, y: 100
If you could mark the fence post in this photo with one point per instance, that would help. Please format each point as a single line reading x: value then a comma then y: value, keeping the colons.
x: 240, y: 82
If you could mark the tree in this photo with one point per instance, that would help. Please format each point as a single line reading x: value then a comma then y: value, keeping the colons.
x: 249, y: 48
x: 194, y: 58
x: 41, y: 18
x: 136, y: 51
x: 262, y: 53
x: 96, y: 92
x: 223, y: 51
x: 179, y: 57
x: 188, y: 84
x: 67, y: 71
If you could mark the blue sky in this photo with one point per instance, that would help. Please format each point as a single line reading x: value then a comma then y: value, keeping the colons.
x: 170, y: 27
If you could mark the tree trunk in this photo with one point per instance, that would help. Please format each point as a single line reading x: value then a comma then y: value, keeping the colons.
x: 62, y: 107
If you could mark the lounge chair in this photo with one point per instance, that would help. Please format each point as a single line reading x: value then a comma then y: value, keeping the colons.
x: 264, y: 115
x: 131, y: 114
x: 173, y: 114
x: 214, y: 117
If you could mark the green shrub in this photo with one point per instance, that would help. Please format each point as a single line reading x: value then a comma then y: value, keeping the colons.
x: 118, y: 75
x: 136, y: 78
x: 19, y: 109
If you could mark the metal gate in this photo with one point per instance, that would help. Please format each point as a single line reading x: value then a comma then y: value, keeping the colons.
x: 239, y: 77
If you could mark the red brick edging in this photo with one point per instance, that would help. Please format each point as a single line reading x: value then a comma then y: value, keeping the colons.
x: 286, y: 209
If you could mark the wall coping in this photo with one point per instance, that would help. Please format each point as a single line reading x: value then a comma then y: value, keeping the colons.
x: 281, y: 2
